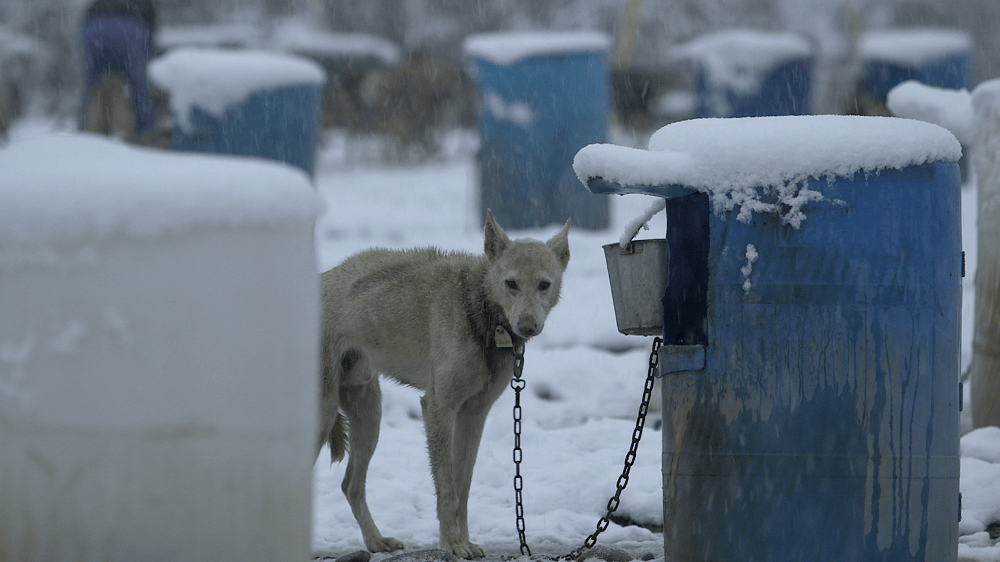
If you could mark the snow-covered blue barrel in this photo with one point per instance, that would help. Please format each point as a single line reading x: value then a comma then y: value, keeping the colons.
x: 935, y: 57
x: 157, y: 354
x: 544, y: 96
x: 247, y: 103
x: 750, y: 73
x: 810, y: 370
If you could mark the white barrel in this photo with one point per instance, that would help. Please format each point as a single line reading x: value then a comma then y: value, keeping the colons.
x: 158, y: 364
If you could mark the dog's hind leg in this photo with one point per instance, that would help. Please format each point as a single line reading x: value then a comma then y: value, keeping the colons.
x: 332, y: 429
x: 362, y: 405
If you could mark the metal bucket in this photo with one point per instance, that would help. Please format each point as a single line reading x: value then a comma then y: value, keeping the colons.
x: 638, y: 275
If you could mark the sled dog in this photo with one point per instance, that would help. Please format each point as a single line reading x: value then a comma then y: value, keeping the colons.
x: 443, y: 323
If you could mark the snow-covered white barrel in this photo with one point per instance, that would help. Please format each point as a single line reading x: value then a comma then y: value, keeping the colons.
x: 158, y: 366
x: 810, y: 372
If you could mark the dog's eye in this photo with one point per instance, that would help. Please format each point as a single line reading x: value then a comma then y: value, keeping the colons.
x: 511, y: 284
x: 544, y: 286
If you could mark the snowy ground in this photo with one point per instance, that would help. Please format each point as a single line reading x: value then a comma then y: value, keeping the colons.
x: 584, y: 381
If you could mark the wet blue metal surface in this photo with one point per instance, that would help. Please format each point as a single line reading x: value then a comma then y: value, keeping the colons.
x: 824, y: 426
x: 536, y: 114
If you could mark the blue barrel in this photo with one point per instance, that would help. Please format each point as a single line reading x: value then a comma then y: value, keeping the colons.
x: 743, y: 73
x: 939, y: 58
x: 280, y: 124
x: 810, y: 375
x: 783, y: 90
x: 824, y: 424
x: 259, y: 104
x: 543, y: 98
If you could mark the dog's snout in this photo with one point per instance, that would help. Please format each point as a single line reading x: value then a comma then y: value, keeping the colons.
x: 528, y: 327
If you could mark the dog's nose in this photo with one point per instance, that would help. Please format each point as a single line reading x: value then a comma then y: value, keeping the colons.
x: 527, y: 327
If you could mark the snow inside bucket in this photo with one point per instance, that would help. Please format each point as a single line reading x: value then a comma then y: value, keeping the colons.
x: 157, y: 355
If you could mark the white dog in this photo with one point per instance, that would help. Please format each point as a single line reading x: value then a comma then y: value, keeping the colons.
x: 444, y: 323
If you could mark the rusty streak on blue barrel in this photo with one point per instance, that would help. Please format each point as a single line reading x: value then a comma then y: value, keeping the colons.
x: 823, y: 425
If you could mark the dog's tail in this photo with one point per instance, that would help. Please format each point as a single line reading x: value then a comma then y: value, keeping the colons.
x: 337, y: 438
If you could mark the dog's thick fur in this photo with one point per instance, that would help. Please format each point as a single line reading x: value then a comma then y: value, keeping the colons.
x: 428, y: 319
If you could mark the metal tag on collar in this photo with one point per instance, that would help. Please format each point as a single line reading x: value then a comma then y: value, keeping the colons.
x: 502, y: 338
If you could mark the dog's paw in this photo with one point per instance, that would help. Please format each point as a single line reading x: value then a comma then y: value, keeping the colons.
x: 383, y: 544
x: 466, y: 549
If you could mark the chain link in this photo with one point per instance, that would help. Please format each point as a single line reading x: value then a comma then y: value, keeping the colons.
x: 640, y: 422
x: 517, y: 383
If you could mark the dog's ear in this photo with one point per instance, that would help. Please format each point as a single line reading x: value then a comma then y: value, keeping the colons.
x: 496, y: 239
x: 559, y: 244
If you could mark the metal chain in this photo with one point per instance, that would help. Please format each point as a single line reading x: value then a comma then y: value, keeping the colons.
x: 647, y: 393
x: 517, y: 383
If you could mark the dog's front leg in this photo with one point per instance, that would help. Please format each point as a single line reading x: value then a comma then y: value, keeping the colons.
x: 439, y: 423
x: 468, y: 435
